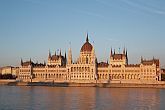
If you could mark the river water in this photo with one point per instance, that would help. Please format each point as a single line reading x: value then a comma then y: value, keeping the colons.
x: 80, y: 98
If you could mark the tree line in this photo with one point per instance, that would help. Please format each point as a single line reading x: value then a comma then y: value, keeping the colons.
x: 7, y: 76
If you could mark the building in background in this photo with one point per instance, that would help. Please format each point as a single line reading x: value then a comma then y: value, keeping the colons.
x: 163, y: 74
x: 87, y: 69
x: 10, y: 70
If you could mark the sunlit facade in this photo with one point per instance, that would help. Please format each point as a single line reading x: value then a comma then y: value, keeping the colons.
x: 61, y: 68
x: 10, y: 70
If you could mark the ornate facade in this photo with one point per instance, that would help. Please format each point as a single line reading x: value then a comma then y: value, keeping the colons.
x: 87, y: 69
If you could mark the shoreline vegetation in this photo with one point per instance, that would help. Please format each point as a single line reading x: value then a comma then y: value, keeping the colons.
x: 65, y: 84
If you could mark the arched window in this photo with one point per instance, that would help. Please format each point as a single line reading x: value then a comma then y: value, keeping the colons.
x: 86, y: 60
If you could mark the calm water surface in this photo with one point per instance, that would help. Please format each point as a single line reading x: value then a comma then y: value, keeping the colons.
x: 80, y: 98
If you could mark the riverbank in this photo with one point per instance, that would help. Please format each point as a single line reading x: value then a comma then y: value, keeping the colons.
x: 53, y: 84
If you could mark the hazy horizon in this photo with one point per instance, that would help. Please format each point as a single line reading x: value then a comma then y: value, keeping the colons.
x: 29, y: 28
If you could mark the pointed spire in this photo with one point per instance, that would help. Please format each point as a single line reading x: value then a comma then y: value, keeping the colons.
x: 141, y: 59
x: 55, y: 53
x: 126, y: 54
x: 111, y: 52
x: 21, y: 62
x: 153, y: 58
x: 114, y: 52
x: 69, y: 56
x: 60, y: 52
x: 49, y: 54
x: 87, y: 40
x: 119, y: 50
x: 124, y: 51
x: 69, y: 44
x: 30, y: 61
x: 44, y: 62
x: 65, y: 55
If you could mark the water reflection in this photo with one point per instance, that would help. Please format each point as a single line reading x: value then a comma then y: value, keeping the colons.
x: 78, y: 98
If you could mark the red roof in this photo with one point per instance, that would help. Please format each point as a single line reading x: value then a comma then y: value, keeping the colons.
x: 27, y: 63
x: 56, y: 57
x: 102, y: 64
x: 86, y: 47
x: 150, y: 62
x: 118, y: 56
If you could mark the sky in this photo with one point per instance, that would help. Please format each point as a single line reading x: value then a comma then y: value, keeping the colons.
x: 30, y: 28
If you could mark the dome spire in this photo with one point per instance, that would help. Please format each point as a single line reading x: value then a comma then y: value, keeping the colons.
x: 87, y: 40
x: 87, y: 47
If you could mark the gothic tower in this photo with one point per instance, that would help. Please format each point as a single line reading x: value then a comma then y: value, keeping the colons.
x: 69, y: 56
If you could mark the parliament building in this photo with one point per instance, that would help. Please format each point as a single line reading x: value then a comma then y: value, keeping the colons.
x: 61, y: 68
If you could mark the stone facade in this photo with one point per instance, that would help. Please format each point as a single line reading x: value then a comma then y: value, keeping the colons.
x: 10, y: 70
x: 87, y: 69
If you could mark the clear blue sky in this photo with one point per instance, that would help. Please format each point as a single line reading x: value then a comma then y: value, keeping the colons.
x: 29, y: 28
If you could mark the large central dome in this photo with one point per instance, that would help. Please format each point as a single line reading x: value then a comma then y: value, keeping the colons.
x: 87, y: 47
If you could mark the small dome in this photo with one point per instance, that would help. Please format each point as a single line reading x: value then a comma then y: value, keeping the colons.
x: 55, y: 57
x: 87, y: 47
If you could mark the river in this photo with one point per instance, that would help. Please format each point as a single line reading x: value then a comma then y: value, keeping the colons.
x: 80, y: 98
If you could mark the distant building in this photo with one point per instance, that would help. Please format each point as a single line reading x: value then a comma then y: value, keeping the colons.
x: 163, y: 74
x: 87, y: 69
x: 10, y: 70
